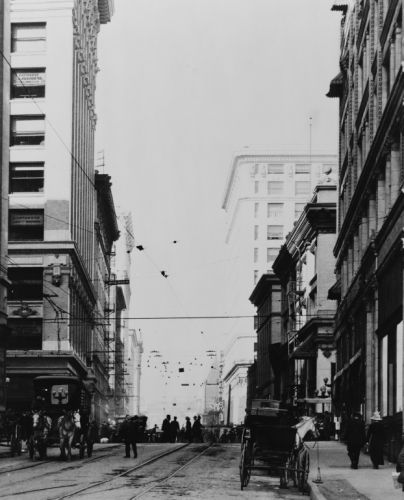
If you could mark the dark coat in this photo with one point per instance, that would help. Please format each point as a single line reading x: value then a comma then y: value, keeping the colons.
x: 129, y: 430
x: 355, y: 435
x: 375, y: 438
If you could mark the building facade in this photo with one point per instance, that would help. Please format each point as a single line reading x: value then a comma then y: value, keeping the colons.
x: 4, y: 161
x: 305, y: 267
x: 264, y: 195
x: 369, y: 247
x: 271, y: 355
x: 52, y: 194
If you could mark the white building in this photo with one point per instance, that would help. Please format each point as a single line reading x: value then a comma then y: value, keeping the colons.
x: 52, y: 196
x: 265, y: 193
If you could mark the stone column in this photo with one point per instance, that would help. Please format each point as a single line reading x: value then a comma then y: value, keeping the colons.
x: 365, y: 232
x: 392, y: 64
x: 381, y: 202
x: 371, y: 369
x: 387, y: 184
x: 395, y: 173
x: 372, y: 214
x: 356, y: 252
x: 399, y: 47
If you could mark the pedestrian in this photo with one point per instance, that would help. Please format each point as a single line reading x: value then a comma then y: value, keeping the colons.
x: 355, y: 437
x: 174, y: 428
x: 375, y: 439
x: 129, y: 431
x: 188, y: 430
x: 400, y: 467
x: 197, y: 430
x: 165, y: 427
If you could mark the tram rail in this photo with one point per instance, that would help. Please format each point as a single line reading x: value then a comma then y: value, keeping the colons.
x: 122, y: 474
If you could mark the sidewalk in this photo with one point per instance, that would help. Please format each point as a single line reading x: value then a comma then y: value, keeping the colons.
x: 339, y: 481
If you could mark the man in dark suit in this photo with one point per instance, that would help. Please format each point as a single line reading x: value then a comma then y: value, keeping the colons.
x: 129, y: 431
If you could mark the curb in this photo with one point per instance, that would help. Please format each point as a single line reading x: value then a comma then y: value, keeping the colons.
x: 315, y: 493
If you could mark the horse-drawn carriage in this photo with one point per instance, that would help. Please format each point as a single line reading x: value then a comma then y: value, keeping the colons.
x: 61, y: 414
x: 273, y: 441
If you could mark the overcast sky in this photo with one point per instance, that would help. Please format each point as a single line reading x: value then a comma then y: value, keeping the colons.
x: 184, y: 84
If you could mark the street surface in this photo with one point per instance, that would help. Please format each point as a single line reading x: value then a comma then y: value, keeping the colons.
x: 194, y: 471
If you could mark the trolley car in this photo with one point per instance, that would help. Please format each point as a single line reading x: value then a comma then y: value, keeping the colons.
x: 273, y: 441
x: 57, y: 394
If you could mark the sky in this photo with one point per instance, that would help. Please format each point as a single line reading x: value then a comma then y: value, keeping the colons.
x: 183, y: 86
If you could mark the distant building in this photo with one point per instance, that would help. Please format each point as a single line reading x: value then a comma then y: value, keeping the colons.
x: 4, y: 161
x: 305, y: 267
x: 369, y: 248
x: 52, y: 304
x: 264, y: 195
x: 271, y: 356
x: 237, y: 359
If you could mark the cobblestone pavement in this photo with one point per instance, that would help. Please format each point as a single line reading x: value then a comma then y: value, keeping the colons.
x: 191, y: 472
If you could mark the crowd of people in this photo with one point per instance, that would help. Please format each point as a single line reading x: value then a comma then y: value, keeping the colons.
x: 171, y: 431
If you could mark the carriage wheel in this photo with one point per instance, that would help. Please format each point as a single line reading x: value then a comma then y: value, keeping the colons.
x: 245, y: 464
x: 304, y: 473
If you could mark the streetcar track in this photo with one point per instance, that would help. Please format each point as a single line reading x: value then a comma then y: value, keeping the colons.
x: 40, y: 489
x: 83, y: 461
x: 56, y: 460
x: 122, y: 474
x: 160, y: 481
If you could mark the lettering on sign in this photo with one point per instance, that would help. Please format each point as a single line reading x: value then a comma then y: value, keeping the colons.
x: 28, y: 79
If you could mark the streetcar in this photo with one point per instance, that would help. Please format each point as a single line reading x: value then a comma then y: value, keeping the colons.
x: 56, y: 398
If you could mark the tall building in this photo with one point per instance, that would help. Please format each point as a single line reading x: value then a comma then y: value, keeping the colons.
x: 264, y: 195
x: 4, y: 155
x: 369, y: 247
x: 52, y: 192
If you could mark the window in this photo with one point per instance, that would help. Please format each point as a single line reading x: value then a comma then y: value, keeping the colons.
x: 26, y: 283
x: 275, y: 168
x: 27, y: 83
x: 302, y: 187
x: 256, y: 209
x: 275, y: 187
x: 27, y: 130
x: 25, y: 334
x: 25, y: 225
x: 274, y: 209
x: 302, y: 168
x: 256, y: 187
x: 274, y: 232
x: 255, y: 255
x: 255, y: 232
x: 26, y: 177
x: 255, y: 277
x: 272, y: 254
x: 299, y: 207
x: 28, y: 37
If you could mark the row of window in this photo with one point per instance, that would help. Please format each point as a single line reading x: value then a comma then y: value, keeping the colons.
x: 26, y: 225
x: 272, y: 253
x: 276, y: 209
x: 274, y: 232
x: 279, y: 168
x: 277, y: 187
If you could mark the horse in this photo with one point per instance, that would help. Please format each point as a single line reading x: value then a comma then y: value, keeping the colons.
x: 67, y: 425
x: 307, y: 425
x: 41, y: 425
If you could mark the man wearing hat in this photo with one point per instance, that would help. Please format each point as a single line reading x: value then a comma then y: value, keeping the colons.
x: 375, y: 439
x: 355, y: 438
